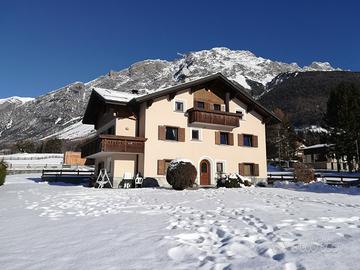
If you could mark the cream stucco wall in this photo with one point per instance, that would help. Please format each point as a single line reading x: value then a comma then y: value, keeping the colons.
x: 117, y: 164
x: 161, y: 112
x: 125, y: 127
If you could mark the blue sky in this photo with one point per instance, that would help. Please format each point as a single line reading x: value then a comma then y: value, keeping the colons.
x: 47, y: 44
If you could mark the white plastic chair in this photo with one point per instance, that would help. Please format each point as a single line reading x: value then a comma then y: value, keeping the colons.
x: 127, y: 176
x: 138, y: 180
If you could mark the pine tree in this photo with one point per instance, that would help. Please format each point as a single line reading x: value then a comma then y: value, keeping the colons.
x: 343, y: 119
x: 281, y: 138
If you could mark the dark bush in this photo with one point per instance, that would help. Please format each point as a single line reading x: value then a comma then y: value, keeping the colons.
x: 3, y: 167
x: 181, y: 174
x: 233, y: 181
x: 304, y: 173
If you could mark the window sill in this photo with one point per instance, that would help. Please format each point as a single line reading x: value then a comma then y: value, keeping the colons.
x: 175, y: 141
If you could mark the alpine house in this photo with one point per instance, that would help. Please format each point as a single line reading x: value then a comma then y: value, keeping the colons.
x: 211, y: 121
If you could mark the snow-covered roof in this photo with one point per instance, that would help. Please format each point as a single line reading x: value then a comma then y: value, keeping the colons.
x: 112, y: 95
x: 122, y: 98
x: 317, y: 146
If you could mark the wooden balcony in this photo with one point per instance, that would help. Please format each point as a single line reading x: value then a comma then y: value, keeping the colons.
x: 213, y: 117
x: 114, y: 144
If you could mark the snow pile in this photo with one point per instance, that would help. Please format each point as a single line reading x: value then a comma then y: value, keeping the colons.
x: 175, y: 162
x: 319, y: 187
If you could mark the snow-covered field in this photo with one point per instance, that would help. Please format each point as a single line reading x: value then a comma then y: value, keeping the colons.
x: 59, y: 226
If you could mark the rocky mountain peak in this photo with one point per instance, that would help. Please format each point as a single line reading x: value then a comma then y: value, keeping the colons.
x: 51, y: 113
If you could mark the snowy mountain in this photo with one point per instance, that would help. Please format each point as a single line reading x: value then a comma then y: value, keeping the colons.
x: 15, y: 100
x: 54, y: 113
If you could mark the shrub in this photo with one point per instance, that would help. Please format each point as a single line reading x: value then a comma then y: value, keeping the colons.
x: 304, y: 173
x: 181, y: 174
x: 3, y: 167
x: 234, y: 181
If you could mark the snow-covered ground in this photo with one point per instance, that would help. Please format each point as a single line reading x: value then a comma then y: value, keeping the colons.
x: 58, y: 226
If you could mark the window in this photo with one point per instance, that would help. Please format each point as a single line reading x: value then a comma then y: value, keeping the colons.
x: 219, y: 167
x: 248, y: 140
x: 249, y: 169
x: 179, y: 106
x: 171, y: 133
x: 217, y: 107
x: 204, y: 167
x: 195, y: 134
x: 200, y: 105
x: 224, y: 138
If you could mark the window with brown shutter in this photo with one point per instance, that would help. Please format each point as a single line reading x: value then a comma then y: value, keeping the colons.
x: 224, y: 138
x: 161, y: 132
x: 247, y: 140
x: 248, y: 169
x: 217, y: 137
x: 161, y: 167
x: 181, y: 135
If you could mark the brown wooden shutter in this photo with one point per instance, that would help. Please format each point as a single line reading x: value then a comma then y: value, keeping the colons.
x: 161, y: 131
x: 181, y: 134
x: 241, y: 169
x: 255, y: 141
x: 207, y: 106
x: 217, y: 137
x: 240, y: 139
x: 256, y: 169
x: 161, y: 167
x: 231, y: 139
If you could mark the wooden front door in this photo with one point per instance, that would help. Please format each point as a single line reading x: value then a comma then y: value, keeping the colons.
x: 204, y: 172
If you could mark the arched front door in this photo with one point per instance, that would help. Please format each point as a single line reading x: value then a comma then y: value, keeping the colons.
x: 204, y: 172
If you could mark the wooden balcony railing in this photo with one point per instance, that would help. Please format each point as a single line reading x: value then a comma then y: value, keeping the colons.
x: 113, y: 143
x: 213, y: 117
